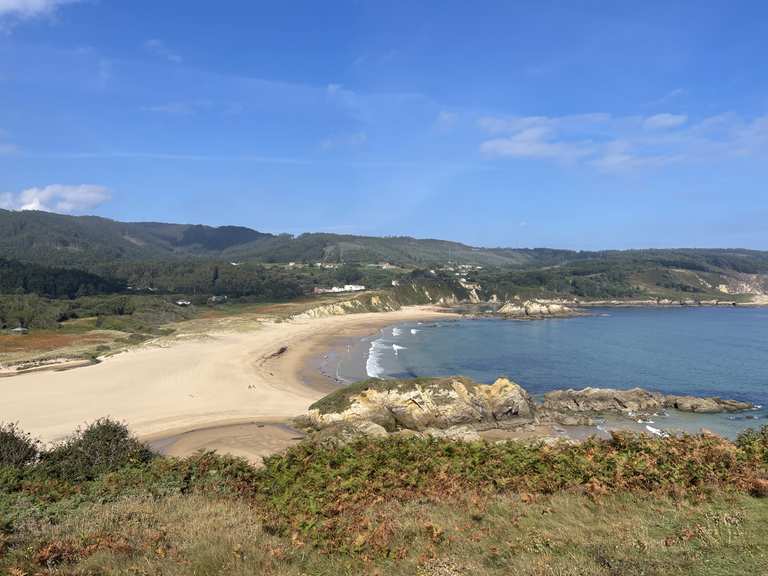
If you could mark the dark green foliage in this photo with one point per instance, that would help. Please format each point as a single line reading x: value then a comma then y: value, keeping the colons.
x: 17, y: 277
x: 754, y: 443
x: 319, y: 488
x: 324, y: 493
x: 104, y: 446
x: 55, y: 239
x: 17, y: 448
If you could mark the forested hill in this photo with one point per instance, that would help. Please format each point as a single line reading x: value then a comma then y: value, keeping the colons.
x: 55, y: 239
x: 18, y: 278
x: 90, y: 242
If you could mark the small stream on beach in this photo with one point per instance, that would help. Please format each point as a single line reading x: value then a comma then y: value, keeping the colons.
x: 697, y: 351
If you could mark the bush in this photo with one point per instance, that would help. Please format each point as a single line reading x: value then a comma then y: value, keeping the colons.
x: 104, y: 446
x: 754, y: 443
x: 17, y: 448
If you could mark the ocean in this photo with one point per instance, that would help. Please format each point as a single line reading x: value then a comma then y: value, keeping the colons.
x: 698, y: 351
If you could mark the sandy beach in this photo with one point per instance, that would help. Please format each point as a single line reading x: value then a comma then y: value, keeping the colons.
x: 225, y: 389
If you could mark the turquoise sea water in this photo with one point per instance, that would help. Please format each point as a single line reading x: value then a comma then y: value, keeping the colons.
x: 698, y: 351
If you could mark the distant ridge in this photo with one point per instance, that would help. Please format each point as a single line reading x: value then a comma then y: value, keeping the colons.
x: 81, y: 241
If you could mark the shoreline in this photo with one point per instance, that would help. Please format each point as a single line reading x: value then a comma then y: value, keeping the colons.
x: 174, y: 387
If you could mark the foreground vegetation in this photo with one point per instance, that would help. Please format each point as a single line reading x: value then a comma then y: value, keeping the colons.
x: 100, y: 503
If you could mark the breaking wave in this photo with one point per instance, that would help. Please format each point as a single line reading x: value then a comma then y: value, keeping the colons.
x: 372, y: 366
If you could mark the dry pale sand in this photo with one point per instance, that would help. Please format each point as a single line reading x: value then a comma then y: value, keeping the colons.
x: 205, y: 384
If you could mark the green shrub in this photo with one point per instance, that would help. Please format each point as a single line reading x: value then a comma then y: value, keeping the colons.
x: 17, y: 448
x: 754, y: 443
x: 104, y: 446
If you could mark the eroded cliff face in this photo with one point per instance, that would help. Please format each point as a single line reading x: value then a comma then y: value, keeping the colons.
x: 409, y: 294
x: 359, y: 304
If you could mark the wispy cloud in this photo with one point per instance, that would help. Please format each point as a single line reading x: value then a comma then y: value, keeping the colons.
x: 352, y: 140
x: 611, y: 142
x: 446, y: 120
x: 669, y: 96
x: 158, y: 48
x: 26, y: 9
x: 662, y: 121
x: 61, y: 198
x: 6, y: 147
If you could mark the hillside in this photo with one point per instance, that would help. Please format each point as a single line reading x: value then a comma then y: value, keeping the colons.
x: 197, y: 259
x: 57, y: 239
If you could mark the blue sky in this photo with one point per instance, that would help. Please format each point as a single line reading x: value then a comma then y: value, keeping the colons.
x: 565, y: 124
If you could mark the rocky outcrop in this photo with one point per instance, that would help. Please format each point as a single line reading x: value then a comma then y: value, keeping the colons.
x: 535, y: 309
x: 602, y: 400
x: 635, y: 400
x: 704, y: 405
x: 425, y: 403
x: 458, y: 408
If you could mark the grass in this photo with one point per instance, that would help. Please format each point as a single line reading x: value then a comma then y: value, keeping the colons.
x: 558, y: 535
x: 99, y: 504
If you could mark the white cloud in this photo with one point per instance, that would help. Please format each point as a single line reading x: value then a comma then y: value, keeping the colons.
x: 353, y: 140
x: 613, y: 143
x: 662, y: 121
x: 158, y: 48
x: 446, y: 120
x: 24, y: 9
x: 56, y: 198
x: 537, y: 142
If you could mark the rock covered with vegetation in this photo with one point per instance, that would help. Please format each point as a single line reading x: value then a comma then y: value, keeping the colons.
x: 457, y: 407
x: 424, y: 403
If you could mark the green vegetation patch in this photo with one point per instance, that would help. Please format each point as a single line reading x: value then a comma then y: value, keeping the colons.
x: 101, y: 504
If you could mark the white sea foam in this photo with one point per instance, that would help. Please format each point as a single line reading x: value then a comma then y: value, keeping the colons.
x: 396, y: 332
x: 372, y: 366
x: 656, y: 431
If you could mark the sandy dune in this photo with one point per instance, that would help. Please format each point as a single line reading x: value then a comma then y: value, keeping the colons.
x: 222, y: 379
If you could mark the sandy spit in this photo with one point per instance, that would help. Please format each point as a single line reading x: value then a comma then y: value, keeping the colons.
x: 205, y: 384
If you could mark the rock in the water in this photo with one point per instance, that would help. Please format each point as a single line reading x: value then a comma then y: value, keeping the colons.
x: 534, y: 309
x: 457, y: 408
x: 606, y: 400
x: 567, y: 403
x: 705, y: 405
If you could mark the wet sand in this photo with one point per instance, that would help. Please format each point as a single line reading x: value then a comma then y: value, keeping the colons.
x: 250, y: 440
x: 172, y: 387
